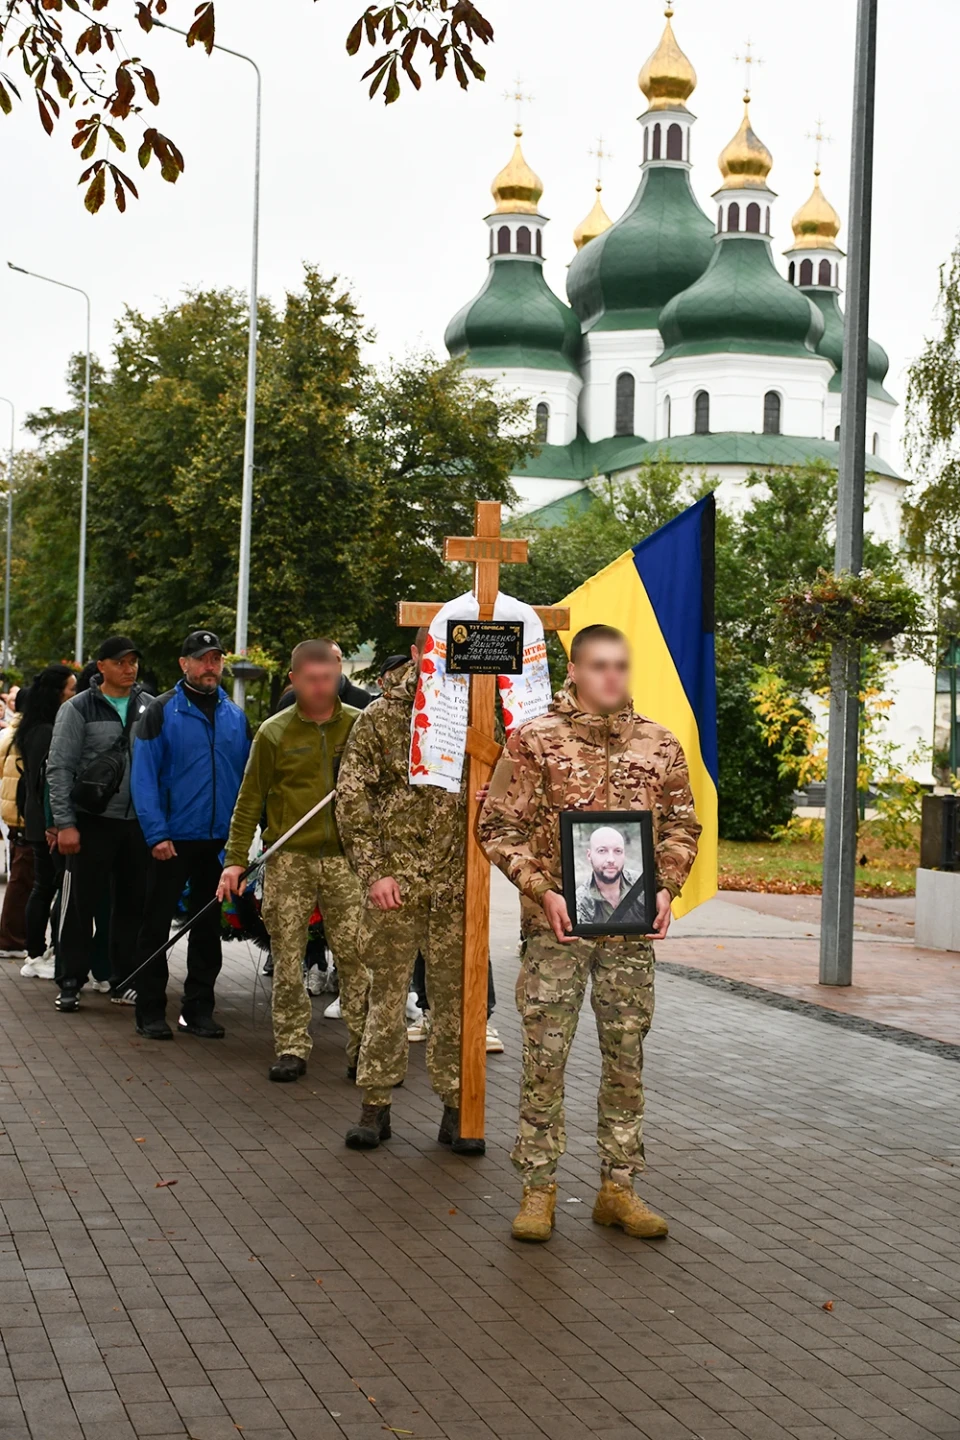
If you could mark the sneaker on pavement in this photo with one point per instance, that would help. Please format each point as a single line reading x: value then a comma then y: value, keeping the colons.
x: 494, y: 1043
x: 13, y: 954
x: 69, y: 998
x: 205, y: 1027
x: 122, y: 995
x: 315, y: 980
x: 154, y: 1029
x: 39, y: 967
x: 414, y: 1013
x: 332, y: 1011
x: 420, y: 1030
x: 99, y: 987
x: 267, y: 966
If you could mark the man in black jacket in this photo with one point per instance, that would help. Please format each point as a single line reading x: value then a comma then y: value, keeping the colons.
x: 102, y: 842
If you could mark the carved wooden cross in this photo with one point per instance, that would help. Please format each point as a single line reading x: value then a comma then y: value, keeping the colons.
x: 486, y: 551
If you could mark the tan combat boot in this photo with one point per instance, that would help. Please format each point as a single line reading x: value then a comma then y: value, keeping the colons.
x: 619, y: 1205
x: 536, y: 1216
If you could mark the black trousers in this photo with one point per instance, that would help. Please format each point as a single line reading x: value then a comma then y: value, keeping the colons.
x: 196, y: 861
x: 113, y: 855
x: 47, y: 870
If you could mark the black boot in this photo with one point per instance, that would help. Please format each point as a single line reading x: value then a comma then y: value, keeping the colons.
x: 69, y: 998
x: 351, y: 1072
x: 157, y: 1029
x: 204, y: 1026
x: 449, y: 1134
x: 288, y: 1067
x: 372, y: 1127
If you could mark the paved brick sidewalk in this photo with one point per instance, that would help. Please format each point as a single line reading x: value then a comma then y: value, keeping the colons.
x: 286, y: 1287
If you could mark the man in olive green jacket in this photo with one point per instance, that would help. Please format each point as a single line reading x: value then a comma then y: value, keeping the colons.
x: 293, y: 764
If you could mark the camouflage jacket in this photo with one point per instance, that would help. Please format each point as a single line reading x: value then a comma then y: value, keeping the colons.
x: 571, y: 760
x: 416, y: 833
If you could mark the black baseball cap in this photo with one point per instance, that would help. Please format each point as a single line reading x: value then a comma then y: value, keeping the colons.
x: 198, y: 642
x: 391, y: 663
x: 116, y: 647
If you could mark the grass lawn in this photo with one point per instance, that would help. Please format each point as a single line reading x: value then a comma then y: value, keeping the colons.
x: 797, y: 868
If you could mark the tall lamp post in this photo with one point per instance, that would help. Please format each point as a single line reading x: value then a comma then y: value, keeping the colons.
x: 840, y: 832
x: 246, y: 492
x: 950, y: 617
x: 85, y: 476
x: 6, y: 573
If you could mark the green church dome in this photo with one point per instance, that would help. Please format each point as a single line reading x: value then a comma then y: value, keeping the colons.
x: 831, y: 345
x: 516, y: 320
x: 740, y: 305
x: 623, y: 278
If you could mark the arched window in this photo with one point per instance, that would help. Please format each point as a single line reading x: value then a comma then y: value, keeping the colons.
x: 753, y: 218
x: 666, y: 416
x: 792, y: 272
x: 875, y: 450
x: 523, y: 240
x: 806, y: 272
x: 733, y: 216
x: 768, y: 219
x: 503, y: 240
x: 825, y: 276
x: 646, y: 143
x: 836, y: 433
x: 543, y: 421
x: 674, y: 142
x: 626, y: 394
x: 539, y: 242
x: 771, y: 413
x: 701, y: 413
x: 656, y: 141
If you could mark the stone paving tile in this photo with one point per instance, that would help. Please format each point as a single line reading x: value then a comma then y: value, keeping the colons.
x: 303, y: 1292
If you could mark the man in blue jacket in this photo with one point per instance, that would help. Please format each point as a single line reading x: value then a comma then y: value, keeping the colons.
x: 189, y: 754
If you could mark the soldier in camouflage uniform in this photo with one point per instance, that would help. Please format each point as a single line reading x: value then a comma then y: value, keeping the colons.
x: 407, y: 844
x: 590, y: 752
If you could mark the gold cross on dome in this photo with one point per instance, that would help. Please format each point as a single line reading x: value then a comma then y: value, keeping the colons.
x: 600, y: 155
x: 819, y: 139
x: 747, y: 59
x: 519, y: 99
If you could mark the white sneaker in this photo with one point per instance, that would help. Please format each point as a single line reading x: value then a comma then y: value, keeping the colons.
x: 414, y: 1012
x: 314, y: 980
x: 99, y: 987
x: 13, y: 954
x: 332, y: 1012
x: 40, y: 968
x: 29, y: 969
x: 420, y: 1029
x: 494, y: 1043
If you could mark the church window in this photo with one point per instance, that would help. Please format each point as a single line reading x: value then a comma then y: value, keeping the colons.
x: 836, y: 432
x: 626, y: 394
x: 806, y: 272
x: 753, y: 218
x: 825, y: 276
x: 674, y: 142
x: 656, y: 142
x: 701, y: 413
x: 539, y: 242
x: 792, y: 272
x: 876, y: 444
x: 733, y: 217
x: 523, y: 240
x: 666, y: 416
x: 771, y: 413
x: 503, y: 240
x: 543, y: 421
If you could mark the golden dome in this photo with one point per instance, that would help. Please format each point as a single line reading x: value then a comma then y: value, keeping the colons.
x: 668, y: 79
x: 517, y: 189
x: 816, y: 224
x: 746, y: 162
x: 593, y: 224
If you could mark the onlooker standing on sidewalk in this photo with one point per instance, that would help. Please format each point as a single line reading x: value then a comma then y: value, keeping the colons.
x: 41, y: 704
x: 97, y: 830
x: 293, y: 764
x: 189, y: 751
x: 13, y: 918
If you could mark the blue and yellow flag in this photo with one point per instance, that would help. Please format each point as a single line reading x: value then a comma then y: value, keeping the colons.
x: 661, y: 595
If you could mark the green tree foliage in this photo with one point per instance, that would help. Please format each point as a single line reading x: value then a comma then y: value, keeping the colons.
x: 358, y: 475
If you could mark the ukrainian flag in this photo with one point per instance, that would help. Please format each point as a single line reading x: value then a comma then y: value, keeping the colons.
x: 661, y: 595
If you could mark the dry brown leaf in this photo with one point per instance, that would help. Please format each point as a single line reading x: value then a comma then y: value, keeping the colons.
x: 162, y: 1184
x: 827, y: 1305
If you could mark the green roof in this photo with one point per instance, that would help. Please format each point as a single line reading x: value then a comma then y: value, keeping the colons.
x: 831, y: 345
x: 581, y: 459
x: 559, y: 511
x: 516, y: 320
x: 622, y: 279
x: 740, y: 305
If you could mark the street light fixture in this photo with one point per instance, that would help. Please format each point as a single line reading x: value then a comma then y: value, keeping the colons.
x: 6, y: 573
x: 85, y: 476
x: 246, y: 492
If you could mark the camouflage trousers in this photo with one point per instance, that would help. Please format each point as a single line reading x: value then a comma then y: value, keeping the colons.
x: 431, y: 921
x: 292, y: 886
x: 550, y: 991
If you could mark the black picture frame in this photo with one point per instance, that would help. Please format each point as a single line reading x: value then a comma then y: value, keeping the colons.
x: 639, y: 901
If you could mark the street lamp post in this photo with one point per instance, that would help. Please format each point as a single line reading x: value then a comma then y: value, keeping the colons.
x: 6, y: 573
x: 950, y: 619
x: 246, y: 492
x: 85, y: 475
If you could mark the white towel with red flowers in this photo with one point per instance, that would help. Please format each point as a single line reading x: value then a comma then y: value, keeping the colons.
x: 438, y: 727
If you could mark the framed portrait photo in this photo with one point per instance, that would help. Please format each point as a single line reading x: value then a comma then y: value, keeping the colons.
x: 608, y: 871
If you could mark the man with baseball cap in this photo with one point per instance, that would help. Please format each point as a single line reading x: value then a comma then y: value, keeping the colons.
x: 189, y: 753
x: 88, y: 772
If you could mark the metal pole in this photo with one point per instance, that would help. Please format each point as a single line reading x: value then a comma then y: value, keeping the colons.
x: 246, y: 491
x: 840, y: 835
x: 85, y: 473
x: 953, y: 704
x: 6, y: 573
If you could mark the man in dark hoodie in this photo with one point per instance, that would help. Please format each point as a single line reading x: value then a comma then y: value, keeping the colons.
x: 88, y: 773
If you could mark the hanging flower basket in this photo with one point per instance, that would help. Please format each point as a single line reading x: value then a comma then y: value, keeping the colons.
x: 872, y: 607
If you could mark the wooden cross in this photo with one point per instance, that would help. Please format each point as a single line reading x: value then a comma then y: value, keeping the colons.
x: 486, y: 551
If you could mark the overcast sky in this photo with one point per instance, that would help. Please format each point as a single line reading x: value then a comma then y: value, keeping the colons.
x: 392, y: 199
